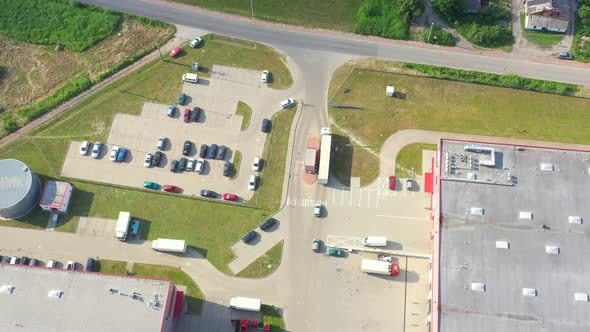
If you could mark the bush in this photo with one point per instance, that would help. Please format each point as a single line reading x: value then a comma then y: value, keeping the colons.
x: 508, y: 81
x: 488, y: 35
x: 74, y: 25
x: 451, y: 9
x: 387, y: 18
x: 9, y: 123
x: 64, y: 93
x: 439, y: 37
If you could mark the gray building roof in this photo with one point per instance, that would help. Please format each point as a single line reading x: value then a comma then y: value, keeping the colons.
x: 19, y: 189
x: 481, y: 283
x: 86, y: 301
x: 548, y: 22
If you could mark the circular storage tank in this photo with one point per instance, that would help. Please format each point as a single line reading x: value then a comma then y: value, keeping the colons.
x: 20, y: 189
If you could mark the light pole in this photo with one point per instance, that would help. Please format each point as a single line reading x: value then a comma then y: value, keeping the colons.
x: 160, y: 51
x: 252, y: 8
x: 431, y: 25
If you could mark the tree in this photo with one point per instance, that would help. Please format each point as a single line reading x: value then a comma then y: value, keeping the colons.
x: 451, y: 9
x: 584, y: 14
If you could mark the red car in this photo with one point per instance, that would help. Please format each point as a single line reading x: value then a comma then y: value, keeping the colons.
x: 172, y: 189
x: 175, y: 52
x: 392, y: 181
x: 187, y: 115
x: 230, y: 197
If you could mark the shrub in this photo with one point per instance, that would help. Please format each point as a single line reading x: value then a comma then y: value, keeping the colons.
x: 387, y: 18
x: 439, y: 36
x: 451, y: 9
x: 9, y: 123
x: 487, y: 35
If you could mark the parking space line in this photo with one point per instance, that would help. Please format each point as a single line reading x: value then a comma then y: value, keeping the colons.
x: 369, y: 200
x: 360, y: 191
x: 333, y: 195
x: 342, y: 198
x: 351, y: 194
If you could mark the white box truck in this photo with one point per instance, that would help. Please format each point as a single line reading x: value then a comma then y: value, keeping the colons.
x: 325, y: 150
x: 379, y: 267
x: 122, y: 227
x: 169, y: 245
x: 375, y: 241
x: 245, y: 303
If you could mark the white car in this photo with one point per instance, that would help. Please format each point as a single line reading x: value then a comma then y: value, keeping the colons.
x: 200, y: 166
x: 190, y: 165
x: 148, y: 160
x: 317, y: 210
x: 288, y: 103
x: 96, y: 150
x: 195, y: 42
x: 114, y: 152
x: 264, y: 77
x: 50, y: 263
x: 252, y: 182
x: 161, y: 142
x: 190, y: 77
x: 84, y: 148
x: 71, y: 265
x: 256, y: 164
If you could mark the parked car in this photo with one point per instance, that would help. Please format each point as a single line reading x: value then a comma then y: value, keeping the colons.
x: 174, y: 166
x: 221, y: 152
x: 195, y: 114
x: 265, y: 125
x: 186, y: 148
x: 565, y: 56
x: 226, y: 168
x: 171, y: 110
x: 316, y: 245
x: 84, y: 148
x: 409, y: 184
x: 190, y: 166
x: 90, y: 264
x: 212, y: 151
x: 336, y: 252
x: 96, y: 150
x: 14, y: 260
x: 200, y: 166
x: 175, y: 52
x: 268, y: 224
x: 195, y: 42
x: 317, y: 210
x: 288, y: 103
x: 114, y: 153
x: 24, y: 260
x: 187, y: 115
x: 171, y: 188
x: 148, y: 160
x: 203, y: 151
x: 392, y: 181
x: 249, y: 237
x: 256, y: 164
x: 182, y: 164
x: 157, y: 159
x: 51, y: 263
x: 122, y: 154
x: 208, y: 193
x: 6, y: 259
x: 71, y: 265
x: 33, y: 262
x: 151, y: 185
x: 161, y: 142
x: 181, y: 99
x: 230, y: 197
x: 252, y: 182
x: 264, y: 77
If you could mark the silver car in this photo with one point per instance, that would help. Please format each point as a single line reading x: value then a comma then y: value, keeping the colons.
x: 96, y: 150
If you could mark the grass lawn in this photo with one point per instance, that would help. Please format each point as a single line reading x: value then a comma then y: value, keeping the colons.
x: 264, y: 265
x: 235, y: 167
x: 193, y: 296
x: 325, y: 14
x: 270, y: 315
x: 209, y: 227
x: 352, y: 160
x: 109, y: 266
x: 408, y: 161
x: 543, y: 39
x: 245, y: 111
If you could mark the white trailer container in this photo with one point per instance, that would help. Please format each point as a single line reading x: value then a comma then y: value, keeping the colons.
x: 245, y: 303
x: 169, y: 245
x: 375, y: 241
x: 379, y: 267
x: 325, y: 150
x: 122, y: 227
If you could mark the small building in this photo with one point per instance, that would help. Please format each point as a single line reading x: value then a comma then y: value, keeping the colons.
x: 546, y: 15
x: 390, y: 90
x: 19, y: 189
x: 56, y: 196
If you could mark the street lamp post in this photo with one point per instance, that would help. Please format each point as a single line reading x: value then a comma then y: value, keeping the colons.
x: 160, y: 51
x: 431, y: 25
x: 252, y: 8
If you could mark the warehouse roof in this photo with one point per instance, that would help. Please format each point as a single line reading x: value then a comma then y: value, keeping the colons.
x: 512, y: 235
x: 15, y: 182
x: 55, y: 194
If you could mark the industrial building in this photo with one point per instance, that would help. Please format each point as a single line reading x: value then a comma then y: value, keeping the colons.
x: 56, y: 196
x: 509, y: 238
x: 19, y: 189
x: 46, y: 299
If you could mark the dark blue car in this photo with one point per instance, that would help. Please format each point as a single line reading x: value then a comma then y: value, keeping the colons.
x: 212, y: 151
x: 121, y: 155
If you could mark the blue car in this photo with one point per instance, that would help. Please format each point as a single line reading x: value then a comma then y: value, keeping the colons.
x: 212, y: 151
x: 122, y: 154
x: 171, y: 110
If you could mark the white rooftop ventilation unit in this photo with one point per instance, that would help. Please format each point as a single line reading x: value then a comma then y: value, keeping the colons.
x: 55, y: 293
x: 476, y: 211
x: 547, y: 167
x: 554, y: 250
x: 6, y: 289
x: 478, y: 287
x: 503, y: 245
x: 581, y: 297
x: 525, y: 215
x: 529, y: 292
x: 574, y: 220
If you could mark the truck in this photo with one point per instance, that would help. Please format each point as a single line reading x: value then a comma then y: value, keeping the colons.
x: 311, y: 160
x: 245, y: 303
x: 169, y: 245
x: 375, y: 241
x: 122, y: 227
x: 379, y: 267
x: 325, y: 150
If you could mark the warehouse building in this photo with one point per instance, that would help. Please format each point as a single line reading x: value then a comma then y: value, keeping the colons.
x: 509, y: 237
x: 56, y: 196
x: 45, y: 299
x: 19, y: 189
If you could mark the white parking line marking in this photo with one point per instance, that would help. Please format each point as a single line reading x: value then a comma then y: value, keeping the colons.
x: 333, y: 195
x: 342, y: 198
x: 369, y: 201
x: 402, y: 217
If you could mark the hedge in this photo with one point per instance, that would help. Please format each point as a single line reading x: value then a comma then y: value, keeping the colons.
x: 438, y: 36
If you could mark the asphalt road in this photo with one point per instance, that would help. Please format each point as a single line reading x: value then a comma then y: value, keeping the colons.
x: 295, y: 41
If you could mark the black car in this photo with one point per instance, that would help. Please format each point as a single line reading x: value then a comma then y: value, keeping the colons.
x: 212, y: 151
x: 157, y: 159
x: 208, y: 193
x: 182, y: 164
x: 221, y: 152
x: 33, y: 262
x: 195, y: 114
x: 203, y: 151
x: 174, y: 166
x: 249, y: 237
x: 226, y: 168
x: 186, y: 148
x: 268, y: 224
x: 24, y: 260
x: 90, y: 264
x: 265, y: 125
